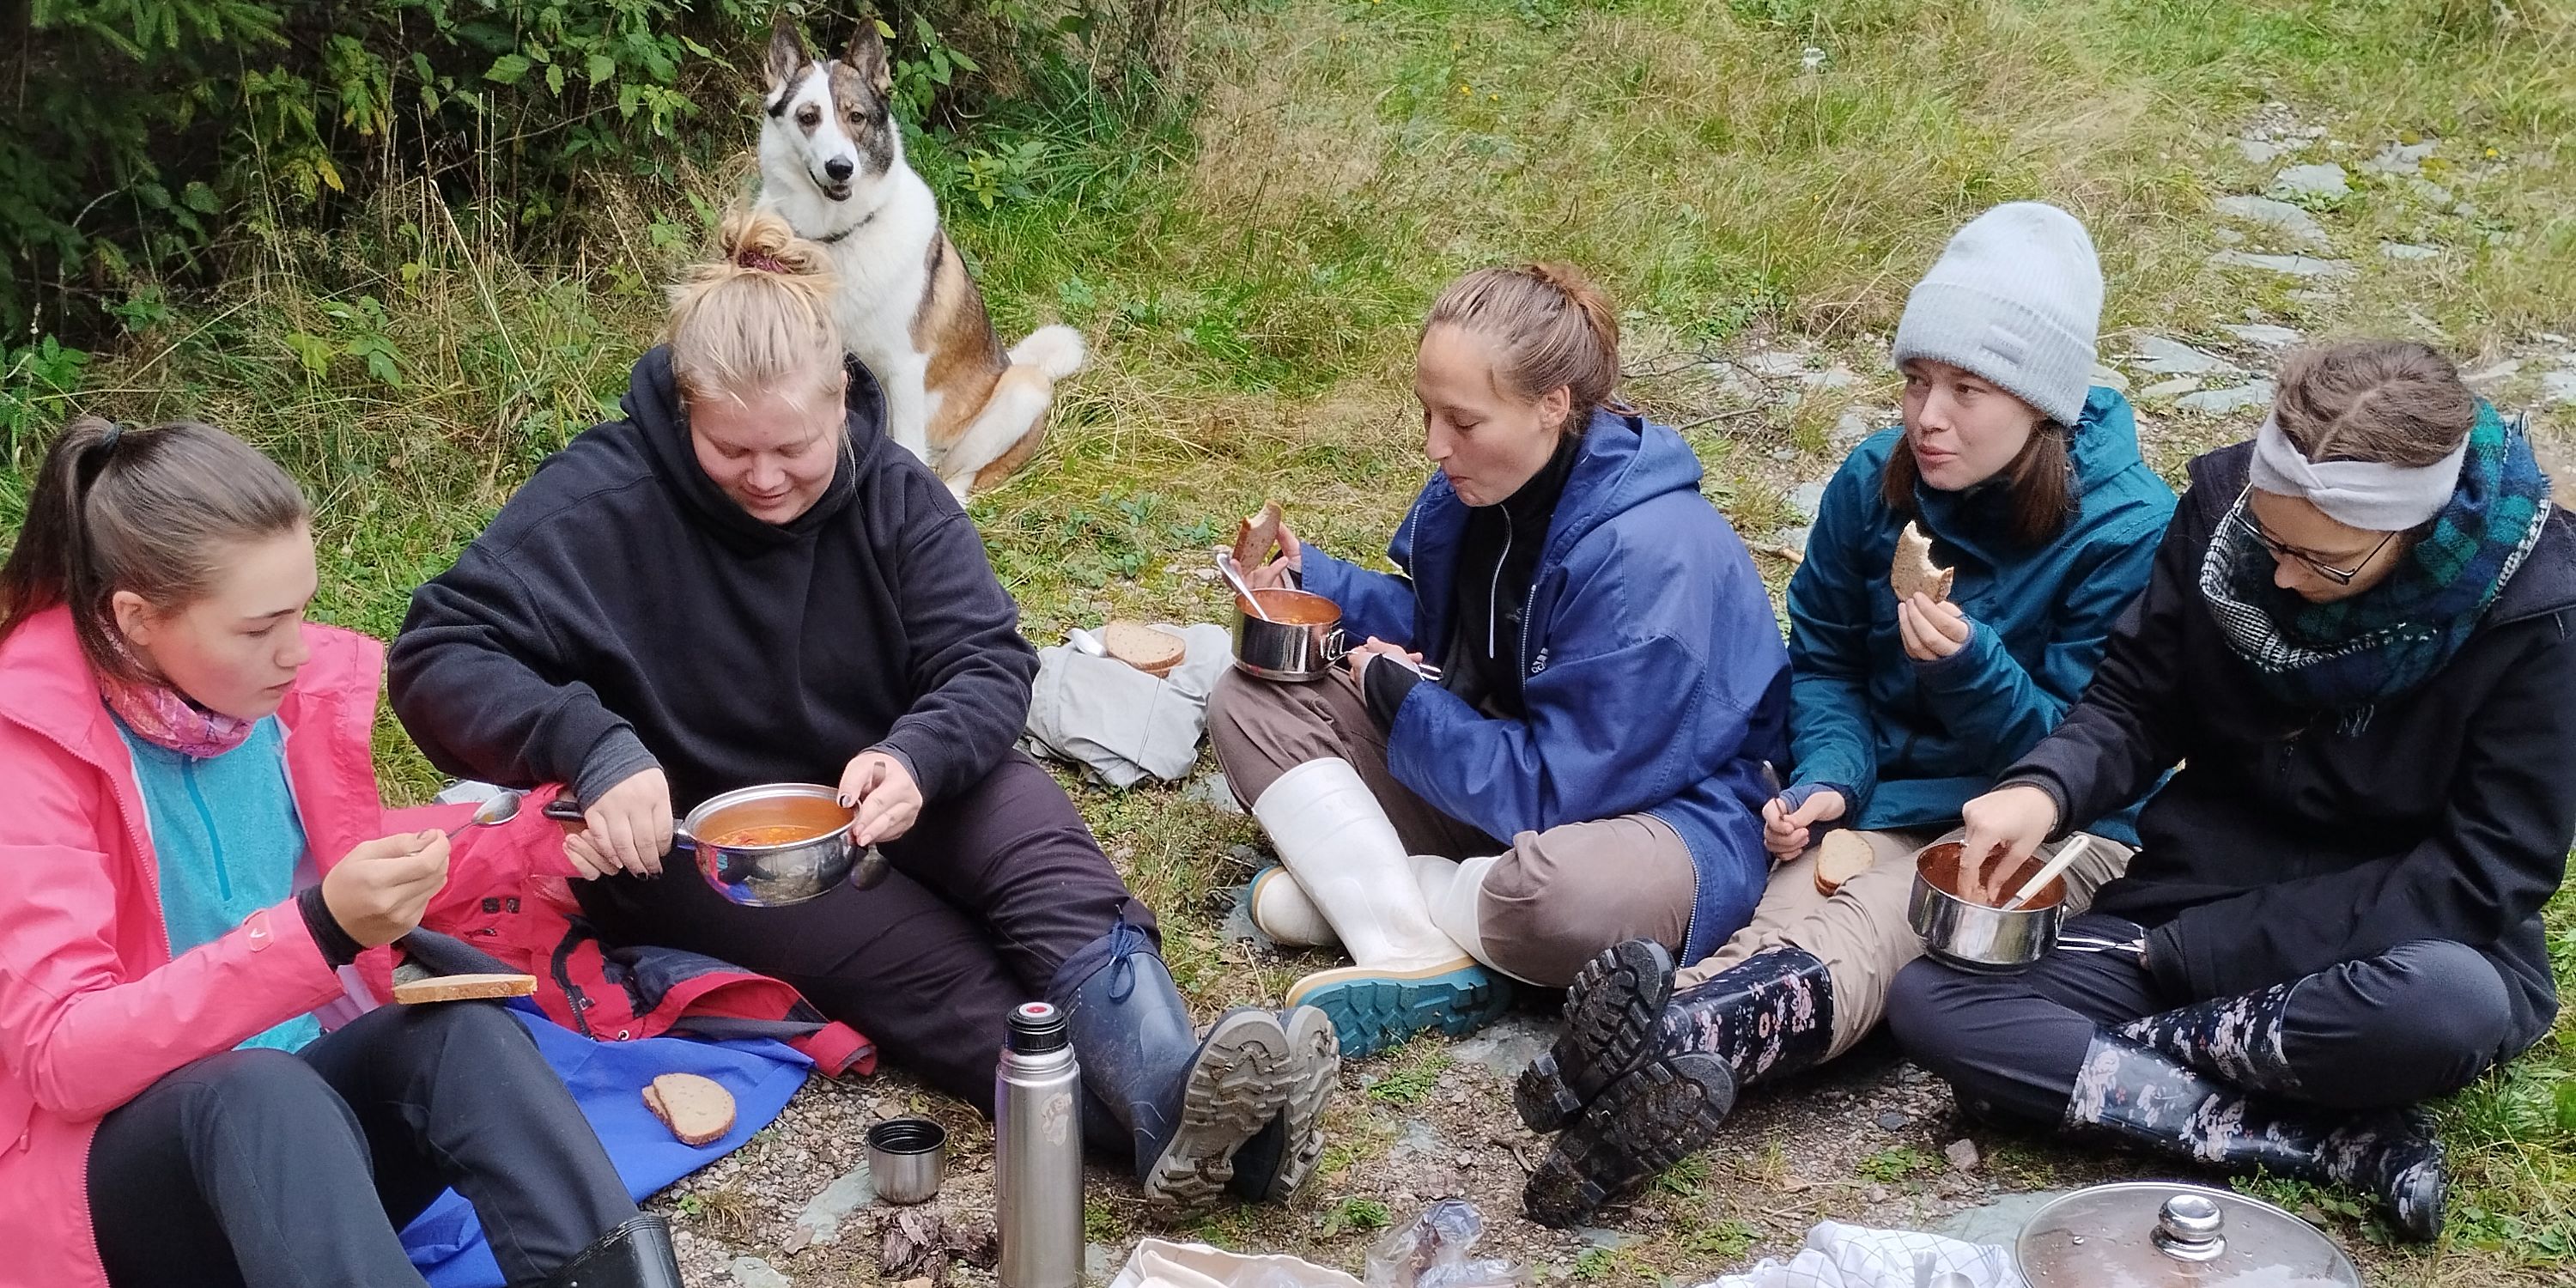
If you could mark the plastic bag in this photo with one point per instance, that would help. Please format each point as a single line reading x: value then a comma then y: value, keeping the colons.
x: 1430, y: 1251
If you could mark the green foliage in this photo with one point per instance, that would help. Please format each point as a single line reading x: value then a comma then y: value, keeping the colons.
x: 1355, y: 1216
x: 1895, y: 1163
x: 167, y: 139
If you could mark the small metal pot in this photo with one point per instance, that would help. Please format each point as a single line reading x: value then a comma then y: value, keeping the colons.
x: 1973, y: 936
x: 778, y: 874
x: 2163, y: 1234
x: 907, y: 1159
x: 1300, y: 642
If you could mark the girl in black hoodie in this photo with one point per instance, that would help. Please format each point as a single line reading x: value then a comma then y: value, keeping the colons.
x: 743, y: 581
x: 2357, y: 644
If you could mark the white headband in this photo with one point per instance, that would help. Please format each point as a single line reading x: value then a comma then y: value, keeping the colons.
x: 2370, y: 495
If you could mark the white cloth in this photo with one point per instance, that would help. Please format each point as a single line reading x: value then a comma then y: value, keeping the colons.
x: 1161, y: 1263
x: 1854, y: 1256
x: 1119, y: 723
x: 2016, y: 297
x: 2370, y: 495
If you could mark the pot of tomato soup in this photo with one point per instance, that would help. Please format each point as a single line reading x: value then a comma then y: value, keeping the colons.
x: 775, y: 844
x: 1297, y: 636
x: 1966, y: 928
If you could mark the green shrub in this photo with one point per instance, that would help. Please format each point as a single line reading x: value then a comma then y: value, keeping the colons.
x: 175, y: 140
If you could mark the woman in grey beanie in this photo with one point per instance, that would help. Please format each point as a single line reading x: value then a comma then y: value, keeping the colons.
x: 2028, y: 482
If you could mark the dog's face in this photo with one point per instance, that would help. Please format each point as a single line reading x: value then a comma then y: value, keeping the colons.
x: 831, y: 121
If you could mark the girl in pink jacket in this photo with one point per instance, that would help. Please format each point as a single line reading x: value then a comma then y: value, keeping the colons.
x: 192, y: 851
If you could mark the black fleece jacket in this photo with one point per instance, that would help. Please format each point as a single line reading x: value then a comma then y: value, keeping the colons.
x: 2283, y: 846
x: 622, y: 612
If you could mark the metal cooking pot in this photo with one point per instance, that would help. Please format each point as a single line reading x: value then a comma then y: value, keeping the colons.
x: 1300, y: 641
x: 2163, y: 1234
x: 1973, y: 936
x: 776, y: 874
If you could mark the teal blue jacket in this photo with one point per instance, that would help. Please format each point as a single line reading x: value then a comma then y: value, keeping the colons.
x: 1910, y: 742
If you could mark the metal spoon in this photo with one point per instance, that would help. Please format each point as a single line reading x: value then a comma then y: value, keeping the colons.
x: 1234, y: 577
x: 494, y: 811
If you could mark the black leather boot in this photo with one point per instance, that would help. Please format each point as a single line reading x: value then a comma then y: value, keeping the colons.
x: 637, y: 1254
x: 1769, y: 1015
x: 2151, y: 1099
x: 1188, y: 1104
x: 2234, y: 1038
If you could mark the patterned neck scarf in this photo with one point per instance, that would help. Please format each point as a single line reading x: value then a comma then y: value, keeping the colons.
x: 2346, y: 656
x: 160, y: 715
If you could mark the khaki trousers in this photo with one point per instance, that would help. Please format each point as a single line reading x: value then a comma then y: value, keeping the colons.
x: 1860, y: 932
x: 1553, y: 900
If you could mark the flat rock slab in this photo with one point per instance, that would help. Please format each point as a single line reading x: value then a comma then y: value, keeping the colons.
x: 1805, y: 498
x: 752, y: 1272
x: 821, y: 1220
x: 2220, y: 402
x: 2264, y: 334
x: 2164, y: 389
x: 2327, y: 180
x: 2288, y: 265
x: 2559, y: 386
x: 1507, y: 1046
x: 2409, y: 251
x: 1999, y: 1222
x: 2291, y: 221
x: 2170, y: 357
x: 2400, y: 158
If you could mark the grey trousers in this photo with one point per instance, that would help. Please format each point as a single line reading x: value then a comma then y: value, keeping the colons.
x: 1553, y: 900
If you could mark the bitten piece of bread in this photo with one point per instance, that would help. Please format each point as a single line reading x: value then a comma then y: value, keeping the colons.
x: 1149, y: 649
x: 1257, y: 537
x: 463, y: 988
x: 698, y: 1110
x: 1914, y: 570
x: 1841, y: 856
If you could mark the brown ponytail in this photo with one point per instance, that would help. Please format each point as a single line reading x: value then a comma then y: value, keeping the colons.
x: 757, y: 314
x: 2039, y: 485
x: 1551, y: 325
x: 144, y: 509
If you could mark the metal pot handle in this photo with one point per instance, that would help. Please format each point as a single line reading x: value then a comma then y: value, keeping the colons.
x: 566, y: 810
x: 1337, y: 646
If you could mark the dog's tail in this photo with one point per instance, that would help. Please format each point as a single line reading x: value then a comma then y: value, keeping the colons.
x: 1056, y: 350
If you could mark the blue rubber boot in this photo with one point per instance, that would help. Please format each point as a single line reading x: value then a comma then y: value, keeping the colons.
x: 1188, y: 1103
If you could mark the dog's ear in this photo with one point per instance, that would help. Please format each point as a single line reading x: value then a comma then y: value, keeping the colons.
x: 867, y: 57
x: 787, y: 54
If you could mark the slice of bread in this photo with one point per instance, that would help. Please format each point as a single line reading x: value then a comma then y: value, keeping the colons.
x: 1256, y: 537
x: 463, y: 988
x: 1841, y: 856
x: 1914, y: 570
x: 697, y: 1110
x: 1149, y: 649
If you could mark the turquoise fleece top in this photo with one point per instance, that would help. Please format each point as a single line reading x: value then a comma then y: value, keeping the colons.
x: 227, y: 841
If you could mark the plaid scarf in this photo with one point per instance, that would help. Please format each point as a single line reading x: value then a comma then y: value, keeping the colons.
x: 2348, y: 655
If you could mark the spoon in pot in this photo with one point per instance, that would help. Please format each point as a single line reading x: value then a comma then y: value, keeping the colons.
x: 2066, y: 854
x: 494, y: 811
x: 1234, y: 578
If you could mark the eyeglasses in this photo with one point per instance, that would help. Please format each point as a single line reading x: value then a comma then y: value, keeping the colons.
x: 2339, y: 576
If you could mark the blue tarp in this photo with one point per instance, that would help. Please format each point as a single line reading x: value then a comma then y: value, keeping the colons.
x: 608, y: 1079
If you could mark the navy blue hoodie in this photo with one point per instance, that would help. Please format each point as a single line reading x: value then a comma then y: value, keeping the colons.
x: 623, y: 611
x: 1652, y: 671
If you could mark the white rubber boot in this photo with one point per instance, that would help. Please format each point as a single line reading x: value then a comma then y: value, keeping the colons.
x: 1336, y: 840
x: 1280, y: 909
x: 1452, y: 891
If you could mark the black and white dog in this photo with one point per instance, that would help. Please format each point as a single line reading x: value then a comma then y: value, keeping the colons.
x: 831, y: 163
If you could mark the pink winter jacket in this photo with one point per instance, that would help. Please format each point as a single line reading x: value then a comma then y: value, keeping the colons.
x: 93, y: 1009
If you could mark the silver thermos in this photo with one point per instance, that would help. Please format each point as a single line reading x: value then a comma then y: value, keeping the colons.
x: 1037, y: 1152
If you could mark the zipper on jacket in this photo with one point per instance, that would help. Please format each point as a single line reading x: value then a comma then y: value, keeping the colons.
x: 1494, y: 593
x: 214, y: 838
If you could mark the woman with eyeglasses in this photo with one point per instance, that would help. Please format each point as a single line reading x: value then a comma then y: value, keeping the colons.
x: 2359, y: 645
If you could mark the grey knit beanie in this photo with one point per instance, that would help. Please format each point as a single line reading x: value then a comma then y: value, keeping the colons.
x: 2016, y: 298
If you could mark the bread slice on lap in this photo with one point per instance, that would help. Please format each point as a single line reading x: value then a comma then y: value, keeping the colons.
x: 1842, y: 855
x: 697, y: 1110
x: 463, y: 988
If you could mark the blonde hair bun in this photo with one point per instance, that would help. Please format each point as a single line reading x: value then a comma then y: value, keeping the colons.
x: 757, y: 313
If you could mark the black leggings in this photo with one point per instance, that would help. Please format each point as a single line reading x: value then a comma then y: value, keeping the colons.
x: 991, y: 891
x: 298, y: 1171
x: 2416, y: 1021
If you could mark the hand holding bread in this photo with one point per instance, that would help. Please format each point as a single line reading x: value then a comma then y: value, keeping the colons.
x: 1914, y: 573
x: 1254, y: 540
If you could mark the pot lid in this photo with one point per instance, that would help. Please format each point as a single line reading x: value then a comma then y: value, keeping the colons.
x: 2160, y: 1234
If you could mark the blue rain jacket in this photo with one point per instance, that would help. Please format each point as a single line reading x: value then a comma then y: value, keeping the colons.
x: 1911, y: 741
x: 1653, y: 673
